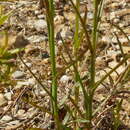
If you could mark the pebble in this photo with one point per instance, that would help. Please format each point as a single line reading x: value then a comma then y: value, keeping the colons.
x: 112, y: 15
x: 41, y: 16
x: 34, y: 71
x: 116, y: 20
x: 69, y: 34
x: 6, y: 118
x: 37, y: 12
x: 64, y: 78
x: 40, y: 24
x: 31, y: 112
x: 42, y: 93
x: 21, y: 113
x: 100, y: 63
x: 18, y: 74
x: 30, y: 23
x: 14, y: 122
x: 30, y: 81
x: 122, y: 40
x: 115, y: 5
x: 8, y: 95
x: 90, y: 15
x: 37, y: 38
x: 29, y: 64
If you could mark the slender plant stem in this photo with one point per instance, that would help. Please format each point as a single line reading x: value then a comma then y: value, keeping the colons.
x: 76, y: 37
x: 93, y: 59
x: 50, y: 23
x: 76, y: 47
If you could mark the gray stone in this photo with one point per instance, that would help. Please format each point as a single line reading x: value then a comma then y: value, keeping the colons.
x: 8, y: 95
x: 14, y: 122
x: 18, y: 74
x: 37, y: 12
x: 41, y: 16
x: 6, y: 118
x: 30, y: 23
x: 40, y: 24
x: 64, y: 78
x: 29, y: 64
x: 42, y: 92
x: 21, y: 114
x: 37, y: 38
x: 90, y: 15
x: 30, y: 81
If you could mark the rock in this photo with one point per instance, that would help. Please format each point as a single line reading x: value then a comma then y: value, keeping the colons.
x: 114, y: 6
x: 69, y: 16
x: 116, y: 20
x: 41, y: 16
x: 64, y: 78
x: 29, y: 64
x: 34, y: 71
x: 63, y: 32
x: 21, y: 113
x: 2, y: 100
x: 90, y: 15
x: 8, y: 95
x: 30, y: 23
x: 69, y: 34
x: 37, y: 12
x: 122, y: 40
x: 30, y: 81
x: 40, y: 24
x: 18, y: 74
x: 31, y: 112
x: 37, y: 38
x: 126, y: 49
x: 100, y: 63
x: 42, y: 93
x: 20, y: 84
x: 112, y: 15
x: 6, y: 118
x: 58, y: 20
x: 14, y: 122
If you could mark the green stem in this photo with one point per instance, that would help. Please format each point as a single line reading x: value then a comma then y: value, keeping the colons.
x: 76, y: 37
x: 93, y: 59
x: 94, y: 40
x: 50, y: 22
